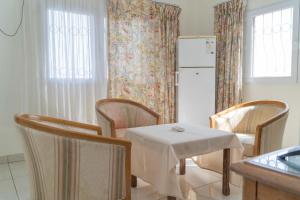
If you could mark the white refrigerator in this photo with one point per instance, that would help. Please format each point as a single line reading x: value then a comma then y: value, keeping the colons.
x: 196, y: 79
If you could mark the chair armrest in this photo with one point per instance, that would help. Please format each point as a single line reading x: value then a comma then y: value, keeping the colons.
x: 107, y: 124
x: 222, y: 122
x: 83, y: 126
x: 68, y: 123
x: 212, y: 121
x: 158, y: 118
x: 269, y: 134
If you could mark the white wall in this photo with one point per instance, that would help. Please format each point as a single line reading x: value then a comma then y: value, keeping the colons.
x: 10, y: 87
x: 197, y: 16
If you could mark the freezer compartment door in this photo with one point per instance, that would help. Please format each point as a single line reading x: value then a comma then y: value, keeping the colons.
x: 196, y: 95
x: 199, y: 52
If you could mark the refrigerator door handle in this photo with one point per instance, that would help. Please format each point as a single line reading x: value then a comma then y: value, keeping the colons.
x: 176, y: 78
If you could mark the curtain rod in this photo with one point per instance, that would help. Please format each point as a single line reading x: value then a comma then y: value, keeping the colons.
x: 169, y: 4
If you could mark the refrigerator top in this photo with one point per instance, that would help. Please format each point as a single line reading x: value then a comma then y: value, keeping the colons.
x: 196, y: 52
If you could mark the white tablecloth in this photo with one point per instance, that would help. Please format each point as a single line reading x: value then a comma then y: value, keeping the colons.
x: 157, y: 149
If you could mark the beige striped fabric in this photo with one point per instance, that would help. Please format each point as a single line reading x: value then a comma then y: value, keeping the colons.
x: 124, y: 115
x: 243, y: 121
x: 246, y: 119
x: 62, y: 168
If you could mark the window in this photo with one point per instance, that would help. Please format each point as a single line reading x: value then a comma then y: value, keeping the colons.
x: 272, y: 43
x: 69, y: 45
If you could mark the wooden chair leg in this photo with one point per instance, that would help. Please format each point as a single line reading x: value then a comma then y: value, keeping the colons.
x: 182, y: 167
x: 171, y: 198
x: 226, y: 172
x: 133, y: 181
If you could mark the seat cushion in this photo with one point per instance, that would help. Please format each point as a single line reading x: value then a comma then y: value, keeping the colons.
x: 248, y: 141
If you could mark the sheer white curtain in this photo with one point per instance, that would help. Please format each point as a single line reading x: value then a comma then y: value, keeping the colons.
x: 65, y: 57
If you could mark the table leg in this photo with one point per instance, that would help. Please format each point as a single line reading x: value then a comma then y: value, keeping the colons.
x: 133, y: 181
x: 182, y: 167
x: 226, y: 172
x: 171, y: 198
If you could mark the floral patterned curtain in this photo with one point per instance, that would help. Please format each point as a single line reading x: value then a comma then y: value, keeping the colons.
x: 229, y: 25
x: 142, y: 53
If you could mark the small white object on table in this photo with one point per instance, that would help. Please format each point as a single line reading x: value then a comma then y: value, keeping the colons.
x: 157, y: 149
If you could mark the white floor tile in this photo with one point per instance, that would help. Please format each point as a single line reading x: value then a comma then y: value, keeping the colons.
x: 23, y: 188
x: 211, y: 192
x: 144, y: 191
x: 7, y: 190
x: 4, y: 172
x: 197, y: 177
x: 191, y: 163
x: 18, y: 169
x: 214, y: 191
x: 197, y: 184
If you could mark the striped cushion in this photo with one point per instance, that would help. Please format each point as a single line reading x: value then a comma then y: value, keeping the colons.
x: 67, y: 169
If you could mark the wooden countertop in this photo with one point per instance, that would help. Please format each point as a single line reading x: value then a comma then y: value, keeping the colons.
x: 267, y: 176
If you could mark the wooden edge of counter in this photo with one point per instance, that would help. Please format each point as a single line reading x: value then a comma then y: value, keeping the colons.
x: 267, y: 176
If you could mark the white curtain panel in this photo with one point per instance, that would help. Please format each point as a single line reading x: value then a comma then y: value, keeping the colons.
x: 65, y: 57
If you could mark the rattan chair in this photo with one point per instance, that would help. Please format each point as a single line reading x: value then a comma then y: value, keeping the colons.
x: 115, y: 115
x: 259, y: 125
x: 71, y: 160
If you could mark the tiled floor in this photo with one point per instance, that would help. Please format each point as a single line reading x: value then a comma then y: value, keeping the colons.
x: 197, y: 184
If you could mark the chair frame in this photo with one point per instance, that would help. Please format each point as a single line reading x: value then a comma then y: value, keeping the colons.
x: 260, y: 126
x: 34, y: 122
x: 112, y: 123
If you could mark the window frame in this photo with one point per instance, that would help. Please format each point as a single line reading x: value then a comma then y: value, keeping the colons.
x: 295, y: 68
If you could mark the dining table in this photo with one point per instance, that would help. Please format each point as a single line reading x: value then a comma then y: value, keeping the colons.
x: 157, y: 149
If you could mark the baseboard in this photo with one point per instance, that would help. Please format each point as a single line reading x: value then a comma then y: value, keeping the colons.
x: 3, y: 159
x: 12, y: 158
